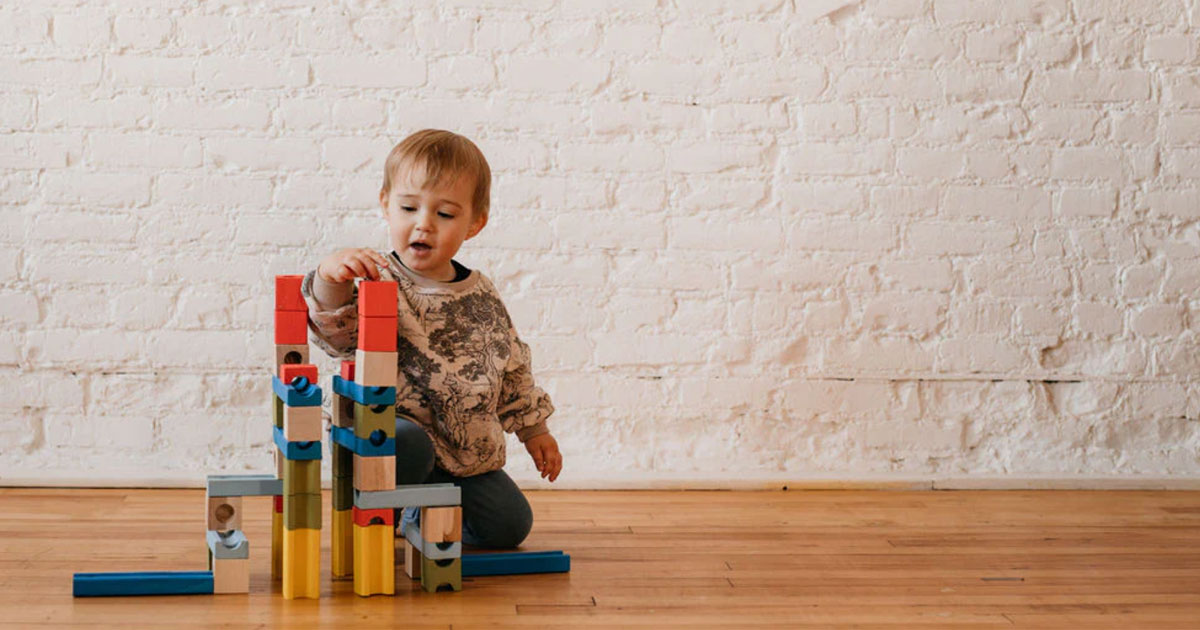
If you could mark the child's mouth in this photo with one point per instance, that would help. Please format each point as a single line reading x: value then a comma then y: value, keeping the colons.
x: 420, y: 247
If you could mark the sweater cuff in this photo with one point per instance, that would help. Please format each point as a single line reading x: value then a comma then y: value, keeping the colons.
x: 533, y: 431
x: 330, y: 295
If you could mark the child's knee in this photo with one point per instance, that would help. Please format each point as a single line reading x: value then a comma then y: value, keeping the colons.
x: 506, y: 529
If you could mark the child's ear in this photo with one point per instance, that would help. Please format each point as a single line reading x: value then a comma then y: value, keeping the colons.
x: 383, y: 202
x: 479, y: 223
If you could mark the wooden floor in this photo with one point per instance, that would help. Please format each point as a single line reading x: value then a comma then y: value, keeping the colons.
x: 665, y: 559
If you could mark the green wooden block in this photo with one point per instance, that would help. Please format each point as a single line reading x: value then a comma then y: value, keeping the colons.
x: 439, y: 575
x: 301, y: 476
x: 343, y: 492
x: 302, y: 511
x: 343, y: 461
x: 278, y: 411
x: 368, y: 419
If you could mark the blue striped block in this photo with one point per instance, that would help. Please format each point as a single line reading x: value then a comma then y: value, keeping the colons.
x: 370, y: 396
x: 362, y: 446
x: 296, y: 450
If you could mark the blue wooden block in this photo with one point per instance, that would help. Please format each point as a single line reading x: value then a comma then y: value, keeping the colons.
x: 143, y: 583
x: 296, y: 450
x: 362, y: 446
x: 515, y: 563
x: 370, y: 396
x: 302, y: 394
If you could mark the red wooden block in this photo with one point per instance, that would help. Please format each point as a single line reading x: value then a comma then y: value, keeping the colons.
x: 287, y: 294
x: 279, y: 504
x: 291, y: 327
x: 377, y: 298
x: 289, y: 371
x: 377, y: 334
x: 363, y: 518
x: 348, y: 370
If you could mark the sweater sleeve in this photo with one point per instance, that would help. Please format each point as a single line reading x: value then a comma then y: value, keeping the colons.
x: 523, y: 406
x: 333, y: 329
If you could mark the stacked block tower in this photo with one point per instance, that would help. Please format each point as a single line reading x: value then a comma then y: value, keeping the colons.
x: 296, y: 522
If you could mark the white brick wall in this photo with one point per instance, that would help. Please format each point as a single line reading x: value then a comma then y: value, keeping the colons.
x: 768, y: 241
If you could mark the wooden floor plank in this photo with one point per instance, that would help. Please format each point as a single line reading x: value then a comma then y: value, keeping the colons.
x: 697, y: 560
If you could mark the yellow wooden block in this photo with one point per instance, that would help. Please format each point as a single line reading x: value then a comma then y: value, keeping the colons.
x: 231, y: 575
x: 374, y: 560
x: 276, y: 545
x: 301, y: 563
x: 342, y: 544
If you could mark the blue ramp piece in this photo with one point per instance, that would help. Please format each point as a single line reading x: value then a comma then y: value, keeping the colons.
x: 515, y: 563
x: 362, y: 446
x: 369, y: 396
x: 296, y: 450
x: 302, y: 394
x: 143, y: 583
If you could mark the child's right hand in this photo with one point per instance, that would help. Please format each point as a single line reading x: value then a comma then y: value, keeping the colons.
x: 348, y: 264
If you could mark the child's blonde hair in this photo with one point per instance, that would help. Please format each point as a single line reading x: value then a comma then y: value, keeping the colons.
x: 442, y: 154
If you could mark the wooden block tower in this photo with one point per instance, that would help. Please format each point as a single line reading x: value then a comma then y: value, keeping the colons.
x: 296, y: 523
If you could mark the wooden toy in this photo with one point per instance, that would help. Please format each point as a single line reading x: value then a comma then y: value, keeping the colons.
x: 231, y: 576
x: 301, y: 563
x: 441, y: 524
x: 374, y: 560
x: 347, y: 370
x: 412, y: 560
x: 224, y: 513
x: 439, y: 574
x: 342, y: 543
x: 429, y: 494
x: 143, y: 583
x: 374, y: 473
x: 287, y: 294
x: 287, y: 353
x: 515, y: 563
x: 367, y: 447
x: 227, y: 545
x: 302, y: 511
x: 363, y: 518
x: 375, y: 369
x: 301, y: 476
x: 301, y: 424
x: 431, y: 549
x: 243, y: 485
x: 377, y: 334
x: 364, y: 395
x: 342, y: 411
x: 299, y: 393
x: 377, y: 299
x: 290, y: 371
x: 291, y: 327
x: 296, y: 450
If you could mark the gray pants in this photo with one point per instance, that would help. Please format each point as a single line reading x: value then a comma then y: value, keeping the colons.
x: 495, y: 512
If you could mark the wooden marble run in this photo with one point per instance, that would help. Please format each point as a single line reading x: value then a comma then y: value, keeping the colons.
x: 365, y: 495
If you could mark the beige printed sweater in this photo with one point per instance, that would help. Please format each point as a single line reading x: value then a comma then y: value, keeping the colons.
x: 463, y: 374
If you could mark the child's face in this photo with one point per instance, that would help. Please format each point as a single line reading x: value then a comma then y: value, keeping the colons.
x: 427, y: 225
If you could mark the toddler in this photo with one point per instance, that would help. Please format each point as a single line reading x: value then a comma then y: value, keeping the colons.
x: 464, y: 375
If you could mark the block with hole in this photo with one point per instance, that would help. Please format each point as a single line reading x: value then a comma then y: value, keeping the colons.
x: 224, y: 513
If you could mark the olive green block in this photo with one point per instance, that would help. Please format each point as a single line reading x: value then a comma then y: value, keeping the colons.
x: 343, y: 461
x: 439, y: 574
x: 301, y: 476
x: 278, y: 403
x: 368, y: 419
x: 302, y: 511
x: 343, y: 492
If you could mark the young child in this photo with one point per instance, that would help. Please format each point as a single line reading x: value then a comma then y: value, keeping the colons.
x: 464, y: 375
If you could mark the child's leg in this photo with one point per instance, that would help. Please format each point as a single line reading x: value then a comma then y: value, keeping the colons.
x: 495, y: 512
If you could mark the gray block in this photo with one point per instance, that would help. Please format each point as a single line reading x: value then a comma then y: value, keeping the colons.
x: 420, y: 495
x: 228, y: 545
x: 437, y: 551
x: 244, y: 485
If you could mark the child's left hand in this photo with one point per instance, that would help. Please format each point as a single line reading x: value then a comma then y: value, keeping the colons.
x: 544, y: 451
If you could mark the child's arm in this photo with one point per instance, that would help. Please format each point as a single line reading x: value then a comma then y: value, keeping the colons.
x: 523, y: 410
x: 329, y: 292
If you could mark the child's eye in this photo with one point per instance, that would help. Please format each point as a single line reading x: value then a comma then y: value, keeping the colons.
x: 445, y: 216
x: 408, y: 208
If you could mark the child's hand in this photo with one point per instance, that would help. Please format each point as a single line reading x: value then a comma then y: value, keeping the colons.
x: 348, y: 264
x: 544, y: 451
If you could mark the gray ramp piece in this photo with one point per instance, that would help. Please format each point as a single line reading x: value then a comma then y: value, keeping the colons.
x: 228, y: 545
x: 244, y: 485
x: 420, y: 495
x: 412, y: 532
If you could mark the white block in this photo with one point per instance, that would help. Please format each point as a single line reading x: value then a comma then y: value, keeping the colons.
x: 375, y: 369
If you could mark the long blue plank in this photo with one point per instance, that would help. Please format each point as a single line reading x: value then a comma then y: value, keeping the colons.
x: 361, y: 446
x: 370, y: 396
x: 143, y: 583
x: 515, y: 563
x: 296, y: 450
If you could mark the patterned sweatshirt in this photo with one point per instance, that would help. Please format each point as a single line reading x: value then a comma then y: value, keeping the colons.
x: 463, y: 375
